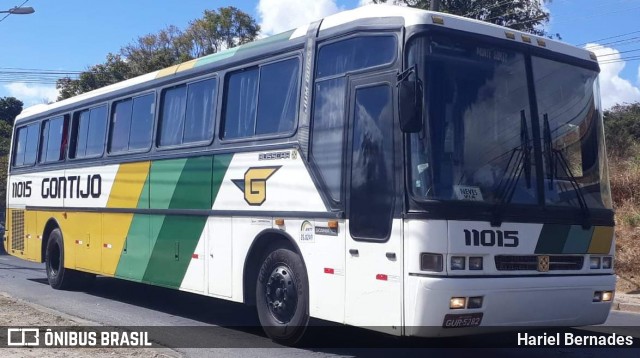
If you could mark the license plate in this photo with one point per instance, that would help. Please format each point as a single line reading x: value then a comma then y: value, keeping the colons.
x: 462, y: 320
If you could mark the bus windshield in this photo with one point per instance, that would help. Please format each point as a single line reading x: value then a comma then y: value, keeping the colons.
x: 478, y: 142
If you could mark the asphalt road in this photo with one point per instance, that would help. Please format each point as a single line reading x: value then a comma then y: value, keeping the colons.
x: 113, y: 302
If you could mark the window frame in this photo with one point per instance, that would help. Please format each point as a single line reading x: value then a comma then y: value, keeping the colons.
x: 38, y: 125
x: 74, y: 119
x: 265, y: 62
x: 65, y: 118
x: 158, y: 113
x: 377, y: 33
x: 131, y: 97
x: 349, y: 76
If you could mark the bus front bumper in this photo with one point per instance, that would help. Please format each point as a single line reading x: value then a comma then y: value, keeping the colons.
x: 515, y: 302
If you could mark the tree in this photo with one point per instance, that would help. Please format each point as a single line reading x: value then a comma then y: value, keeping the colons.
x: 622, y: 129
x: 115, y: 69
x: 10, y: 107
x: 522, y: 15
x: 216, y: 30
x: 156, y: 51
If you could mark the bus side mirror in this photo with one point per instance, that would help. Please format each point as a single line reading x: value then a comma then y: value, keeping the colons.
x: 410, y: 106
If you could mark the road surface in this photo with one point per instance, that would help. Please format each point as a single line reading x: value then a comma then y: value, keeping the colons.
x: 113, y: 302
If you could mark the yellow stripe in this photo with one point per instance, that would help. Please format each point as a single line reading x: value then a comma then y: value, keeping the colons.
x: 125, y: 193
x: 128, y: 184
x: 167, y: 71
x: 186, y: 66
x: 601, y: 240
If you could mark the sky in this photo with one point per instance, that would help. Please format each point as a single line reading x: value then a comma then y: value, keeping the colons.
x: 72, y: 35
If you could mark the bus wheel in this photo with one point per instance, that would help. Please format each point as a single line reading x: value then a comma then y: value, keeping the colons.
x: 282, y: 296
x: 59, y: 277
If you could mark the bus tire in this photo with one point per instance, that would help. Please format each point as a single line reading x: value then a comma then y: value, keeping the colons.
x: 59, y: 277
x: 282, y: 296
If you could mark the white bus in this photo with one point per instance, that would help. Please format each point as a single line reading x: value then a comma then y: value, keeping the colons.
x: 407, y: 171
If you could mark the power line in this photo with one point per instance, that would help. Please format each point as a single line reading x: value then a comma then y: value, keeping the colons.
x: 618, y: 42
x: 621, y: 59
x: 609, y: 38
x: 31, y: 75
x: 619, y: 52
x: 488, y: 8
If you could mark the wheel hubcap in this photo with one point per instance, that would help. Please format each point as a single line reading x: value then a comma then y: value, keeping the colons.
x: 281, y: 294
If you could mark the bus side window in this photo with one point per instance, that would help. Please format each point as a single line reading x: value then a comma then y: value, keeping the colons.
x: 187, y: 113
x: 278, y: 97
x: 261, y: 100
x: 88, y: 130
x: 132, y: 124
x: 54, y: 139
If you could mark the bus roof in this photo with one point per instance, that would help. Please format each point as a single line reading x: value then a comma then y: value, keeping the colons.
x: 410, y: 17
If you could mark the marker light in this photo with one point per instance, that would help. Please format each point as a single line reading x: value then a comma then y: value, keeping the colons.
x: 458, y: 262
x: 475, y: 263
x: 607, y: 262
x: 475, y: 302
x: 607, y: 296
x: 597, y: 296
x: 457, y: 303
x: 431, y: 262
x: 594, y: 263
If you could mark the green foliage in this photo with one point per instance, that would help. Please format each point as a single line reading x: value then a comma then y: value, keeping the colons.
x: 622, y: 129
x: 10, y: 107
x: 216, y: 30
x: 522, y: 15
x: 115, y: 69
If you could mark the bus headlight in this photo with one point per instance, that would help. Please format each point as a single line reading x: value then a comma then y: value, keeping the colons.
x: 431, y: 262
x: 457, y: 303
x: 607, y: 262
x: 458, y: 262
x: 594, y: 263
x: 475, y: 263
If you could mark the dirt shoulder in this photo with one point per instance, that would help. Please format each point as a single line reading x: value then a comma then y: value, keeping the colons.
x: 18, y: 313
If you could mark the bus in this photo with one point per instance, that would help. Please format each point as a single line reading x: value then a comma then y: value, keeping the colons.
x: 411, y: 172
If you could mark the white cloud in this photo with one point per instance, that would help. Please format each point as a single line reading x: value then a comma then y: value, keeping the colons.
x: 613, y: 88
x: 281, y: 15
x: 32, y: 94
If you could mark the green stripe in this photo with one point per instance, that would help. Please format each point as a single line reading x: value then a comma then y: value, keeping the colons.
x: 165, y: 175
x: 552, y: 239
x: 578, y: 240
x: 178, y: 235
x: 136, y: 250
x: 216, y: 57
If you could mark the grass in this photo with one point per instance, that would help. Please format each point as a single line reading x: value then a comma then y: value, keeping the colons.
x: 625, y: 190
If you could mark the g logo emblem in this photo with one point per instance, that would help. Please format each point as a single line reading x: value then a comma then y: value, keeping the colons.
x: 254, y: 184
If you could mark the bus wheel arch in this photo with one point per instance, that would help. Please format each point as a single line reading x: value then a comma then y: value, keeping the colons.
x: 265, y: 242
x: 59, y: 276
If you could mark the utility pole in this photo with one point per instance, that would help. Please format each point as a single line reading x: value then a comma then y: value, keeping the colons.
x: 435, y: 5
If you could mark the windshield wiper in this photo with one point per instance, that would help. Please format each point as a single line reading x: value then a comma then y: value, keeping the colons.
x: 521, y: 156
x: 552, y: 156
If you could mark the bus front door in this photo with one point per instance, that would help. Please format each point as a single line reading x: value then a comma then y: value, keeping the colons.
x: 374, y: 240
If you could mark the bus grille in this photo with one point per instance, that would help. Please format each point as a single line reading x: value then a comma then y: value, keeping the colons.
x: 530, y: 263
x: 17, y: 230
